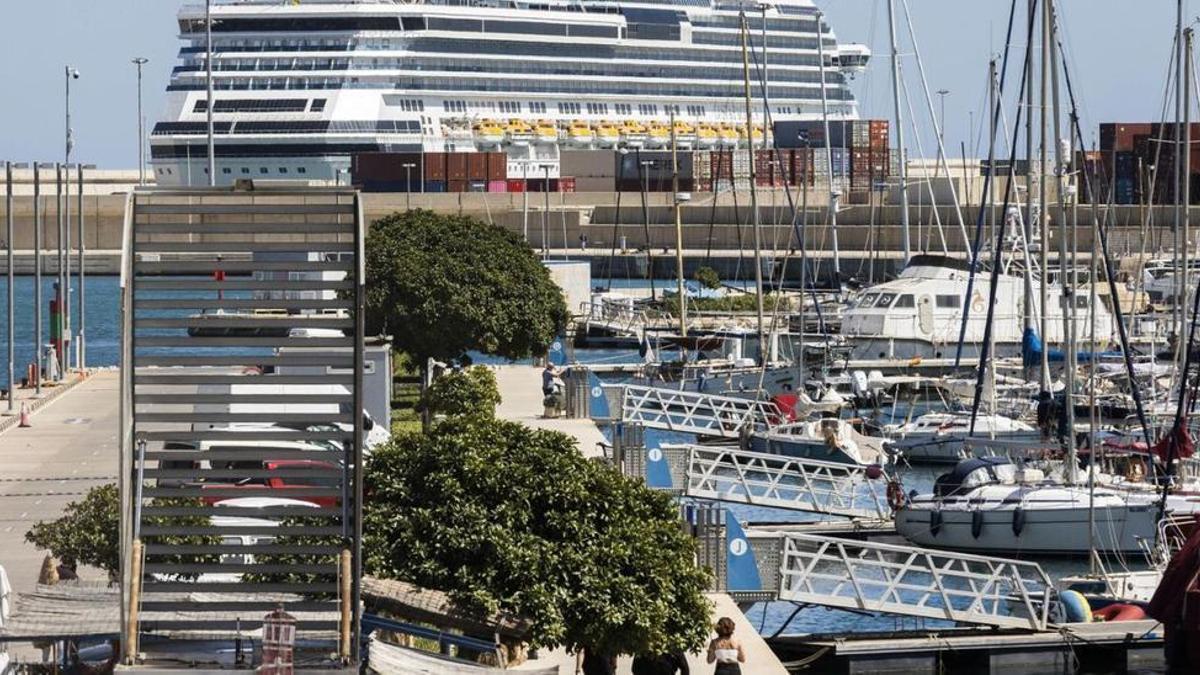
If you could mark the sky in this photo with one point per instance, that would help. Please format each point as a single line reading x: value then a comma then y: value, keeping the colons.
x: 1117, y: 52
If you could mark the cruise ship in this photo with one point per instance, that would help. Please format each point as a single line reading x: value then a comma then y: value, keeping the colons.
x: 300, y: 86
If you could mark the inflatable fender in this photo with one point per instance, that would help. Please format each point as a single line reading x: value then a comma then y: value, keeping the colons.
x: 976, y: 523
x: 1120, y: 611
x: 1018, y: 521
x: 935, y: 521
x: 1075, y: 607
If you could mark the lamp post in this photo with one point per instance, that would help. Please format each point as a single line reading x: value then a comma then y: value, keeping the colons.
x: 64, y: 241
x: 141, y: 131
x: 408, y: 167
x: 208, y: 68
x: 37, y: 276
x: 81, y: 340
x: 942, y: 125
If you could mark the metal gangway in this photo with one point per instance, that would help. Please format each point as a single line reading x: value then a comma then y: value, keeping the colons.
x: 692, y: 412
x: 917, y: 582
x: 729, y: 474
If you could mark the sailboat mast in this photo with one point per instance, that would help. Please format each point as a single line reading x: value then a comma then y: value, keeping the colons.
x: 834, y: 193
x: 678, y: 229
x: 758, y: 280
x: 900, y: 132
x: 1185, y: 187
x: 1068, y: 287
x: 1179, y: 282
x: 1043, y: 219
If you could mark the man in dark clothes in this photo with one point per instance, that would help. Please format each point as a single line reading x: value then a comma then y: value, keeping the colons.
x: 663, y: 664
x: 598, y: 664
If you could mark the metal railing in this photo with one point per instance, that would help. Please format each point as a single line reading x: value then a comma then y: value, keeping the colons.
x: 875, y: 577
x: 692, y: 412
x: 777, y: 481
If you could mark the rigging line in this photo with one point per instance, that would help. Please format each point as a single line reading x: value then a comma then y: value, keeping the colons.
x: 991, y: 167
x: 1108, y: 270
x: 928, y: 181
x: 936, y: 125
x: 998, y: 252
x: 798, y: 233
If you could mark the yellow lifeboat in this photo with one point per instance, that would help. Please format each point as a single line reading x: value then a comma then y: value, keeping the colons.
x: 658, y: 135
x: 685, y: 134
x: 488, y: 132
x: 580, y: 134
x: 633, y: 134
x: 546, y: 132
x: 607, y: 134
x: 756, y: 131
x: 728, y: 135
x: 707, y: 136
x: 518, y: 131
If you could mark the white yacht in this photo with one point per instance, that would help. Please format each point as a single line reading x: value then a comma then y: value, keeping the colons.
x: 919, y: 314
x: 941, y: 437
x: 828, y: 440
x: 989, y: 505
x: 301, y: 87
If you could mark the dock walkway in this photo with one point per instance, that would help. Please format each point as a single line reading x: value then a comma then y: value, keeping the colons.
x: 521, y: 401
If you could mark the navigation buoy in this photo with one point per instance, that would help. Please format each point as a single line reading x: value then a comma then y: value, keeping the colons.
x: 25, y: 415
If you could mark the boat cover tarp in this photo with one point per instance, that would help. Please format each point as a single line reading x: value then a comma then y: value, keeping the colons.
x: 1175, y: 604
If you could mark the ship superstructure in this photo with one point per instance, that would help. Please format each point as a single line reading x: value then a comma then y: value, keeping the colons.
x: 300, y: 87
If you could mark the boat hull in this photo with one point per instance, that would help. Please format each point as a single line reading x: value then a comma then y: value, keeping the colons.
x: 1053, y: 531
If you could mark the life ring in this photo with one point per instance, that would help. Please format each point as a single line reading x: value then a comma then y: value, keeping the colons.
x: 1120, y: 611
x: 977, y: 302
x: 895, y: 496
x: 1075, y: 607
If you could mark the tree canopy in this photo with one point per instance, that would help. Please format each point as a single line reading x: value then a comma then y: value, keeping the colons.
x: 505, y: 517
x: 444, y: 285
x: 472, y: 392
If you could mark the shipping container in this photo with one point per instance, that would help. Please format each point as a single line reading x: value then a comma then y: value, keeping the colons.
x: 477, y: 166
x: 435, y: 166
x: 435, y: 186
x: 515, y: 185
x: 595, y: 184
x: 566, y: 184
x: 497, y: 166
x: 456, y: 166
x: 588, y: 163
x: 497, y: 186
x: 456, y: 185
x: 477, y: 185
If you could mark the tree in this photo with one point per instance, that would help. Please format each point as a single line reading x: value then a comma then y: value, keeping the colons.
x: 708, y: 278
x: 469, y: 391
x: 507, y: 518
x: 88, y: 532
x: 444, y: 285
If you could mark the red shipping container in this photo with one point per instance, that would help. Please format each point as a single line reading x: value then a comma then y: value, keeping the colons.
x: 477, y: 166
x: 497, y: 186
x: 456, y: 186
x: 516, y: 185
x: 435, y: 166
x: 566, y: 184
x: 456, y: 166
x: 497, y: 166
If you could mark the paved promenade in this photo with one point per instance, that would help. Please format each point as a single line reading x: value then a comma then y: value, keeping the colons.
x: 71, y: 447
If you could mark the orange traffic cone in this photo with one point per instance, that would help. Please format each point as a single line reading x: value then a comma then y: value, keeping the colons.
x: 24, y: 415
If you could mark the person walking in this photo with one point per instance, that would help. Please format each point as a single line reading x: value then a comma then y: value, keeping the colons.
x: 725, y: 651
x: 662, y: 664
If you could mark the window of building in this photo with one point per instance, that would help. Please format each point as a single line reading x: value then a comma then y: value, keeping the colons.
x: 568, y: 108
x: 283, y: 169
x: 948, y: 301
x: 624, y: 109
x: 537, y: 107
x: 405, y: 104
x: 301, y: 169
x: 245, y: 169
x: 454, y: 106
x: 318, y: 105
x: 695, y: 110
x: 671, y: 108
x: 597, y: 108
x: 263, y: 170
x: 226, y: 170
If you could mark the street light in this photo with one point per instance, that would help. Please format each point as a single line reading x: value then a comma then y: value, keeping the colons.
x: 64, y: 219
x: 141, y: 132
x: 408, y: 167
x: 208, y: 68
x: 942, y: 126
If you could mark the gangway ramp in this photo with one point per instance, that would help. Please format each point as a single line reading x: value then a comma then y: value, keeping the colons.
x: 729, y: 474
x: 693, y: 412
x: 926, y: 583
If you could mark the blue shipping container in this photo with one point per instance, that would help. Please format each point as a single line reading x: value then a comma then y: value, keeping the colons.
x: 435, y: 186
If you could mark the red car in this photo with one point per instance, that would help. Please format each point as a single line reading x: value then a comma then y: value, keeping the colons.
x: 324, y: 475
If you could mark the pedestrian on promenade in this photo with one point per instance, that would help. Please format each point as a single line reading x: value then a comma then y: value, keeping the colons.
x: 598, y: 664
x: 725, y: 651
x: 662, y: 664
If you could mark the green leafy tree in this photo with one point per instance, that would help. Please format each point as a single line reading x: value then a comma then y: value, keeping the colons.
x: 505, y: 517
x: 444, y: 285
x: 708, y: 277
x: 88, y: 532
x: 471, y: 392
